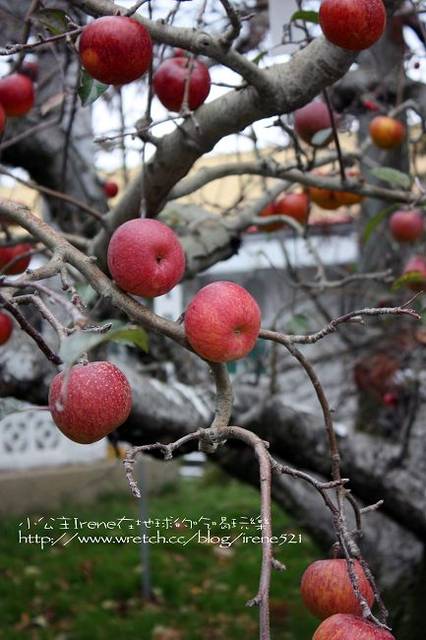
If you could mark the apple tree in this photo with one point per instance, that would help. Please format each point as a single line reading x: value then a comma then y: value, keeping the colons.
x: 355, y: 68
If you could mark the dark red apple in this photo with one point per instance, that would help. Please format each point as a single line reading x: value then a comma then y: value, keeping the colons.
x: 416, y: 266
x: 2, y: 119
x: 326, y: 588
x: 266, y: 212
x: 146, y: 258
x: 6, y: 327
x: 386, y: 133
x: 16, y: 94
x: 170, y: 79
x: 352, y: 24
x: 294, y: 205
x: 347, y: 627
x: 222, y: 322
x: 311, y: 119
x: 115, y: 49
x: 110, y: 188
x: 7, y: 254
x: 407, y: 226
x: 90, y: 401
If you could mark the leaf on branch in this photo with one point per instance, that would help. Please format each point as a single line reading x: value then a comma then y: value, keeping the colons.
x: 90, y: 89
x: 392, y: 177
x: 54, y: 20
x: 321, y: 137
x: 75, y: 345
x: 299, y: 323
x: 413, y: 277
x: 306, y: 16
x: 376, y: 221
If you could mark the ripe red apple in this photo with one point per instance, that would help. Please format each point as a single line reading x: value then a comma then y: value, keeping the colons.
x: 110, y: 188
x: 407, y: 226
x: 16, y: 94
x: 30, y: 68
x: 348, y: 627
x: 2, y: 119
x: 266, y: 212
x: 90, y: 401
x: 10, y: 253
x: 386, y: 133
x: 294, y: 205
x: 115, y: 49
x: 6, y: 327
x: 352, y: 24
x: 326, y: 588
x: 170, y: 79
x: 222, y: 322
x: 416, y: 266
x: 146, y: 258
x: 310, y: 119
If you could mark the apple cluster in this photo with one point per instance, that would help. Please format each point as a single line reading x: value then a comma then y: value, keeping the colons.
x: 118, y: 50
x: 146, y: 258
x: 327, y: 592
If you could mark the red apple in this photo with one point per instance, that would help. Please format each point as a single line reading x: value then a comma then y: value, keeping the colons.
x: 386, y: 133
x: 416, y: 266
x: 16, y: 94
x: 146, y: 258
x: 170, y: 79
x: 7, y: 254
x: 110, y: 188
x: 222, y: 322
x: 115, y: 49
x: 326, y: 588
x: 324, y: 198
x: 390, y: 399
x: 6, y: 327
x: 90, y: 401
x: 407, y: 226
x: 294, y: 205
x: 268, y: 211
x: 347, y: 627
x: 310, y: 119
x: 352, y: 24
x: 30, y: 68
x: 2, y: 119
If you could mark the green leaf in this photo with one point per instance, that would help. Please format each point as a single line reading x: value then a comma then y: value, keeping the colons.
x: 90, y: 89
x: 78, y: 343
x: 257, y: 59
x: 54, y: 20
x: 86, y: 293
x: 392, y: 176
x: 299, y: 323
x: 412, y: 277
x: 306, y: 16
x: 377, y: 220
x: 321, y: 137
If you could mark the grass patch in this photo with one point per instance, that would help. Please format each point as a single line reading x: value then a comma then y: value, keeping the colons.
x: 75, y: 591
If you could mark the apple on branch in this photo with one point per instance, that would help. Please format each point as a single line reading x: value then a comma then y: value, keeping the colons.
x: 146, y: 258
x: 173, y: 75
x: 6, y: 327
x: 407, y: 226
x: 20, y: 264
x: 344, y: 626
x: 352, y: 24
x: 16, y: 94
x: 89, y: 401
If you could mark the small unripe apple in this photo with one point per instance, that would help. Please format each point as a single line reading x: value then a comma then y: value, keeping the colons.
x: 115, y: 49
x: 386, y: 133
x: 352, y: 24
x: 146, y: 258
x: 222, y: 322
x: 344, y: 626
x: 407, y: 226
x: 416, y: 265
x: 90, y: 401
x: 110, y: 188
x: 16, y: 94
x: 311, y: 119
x: 326, y: 588
x: 170, y: 79
x: 30, y: 68
x: 2, y: 119
x: 6, y: 327
x: 9, y: 253
x: 294, y: 205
